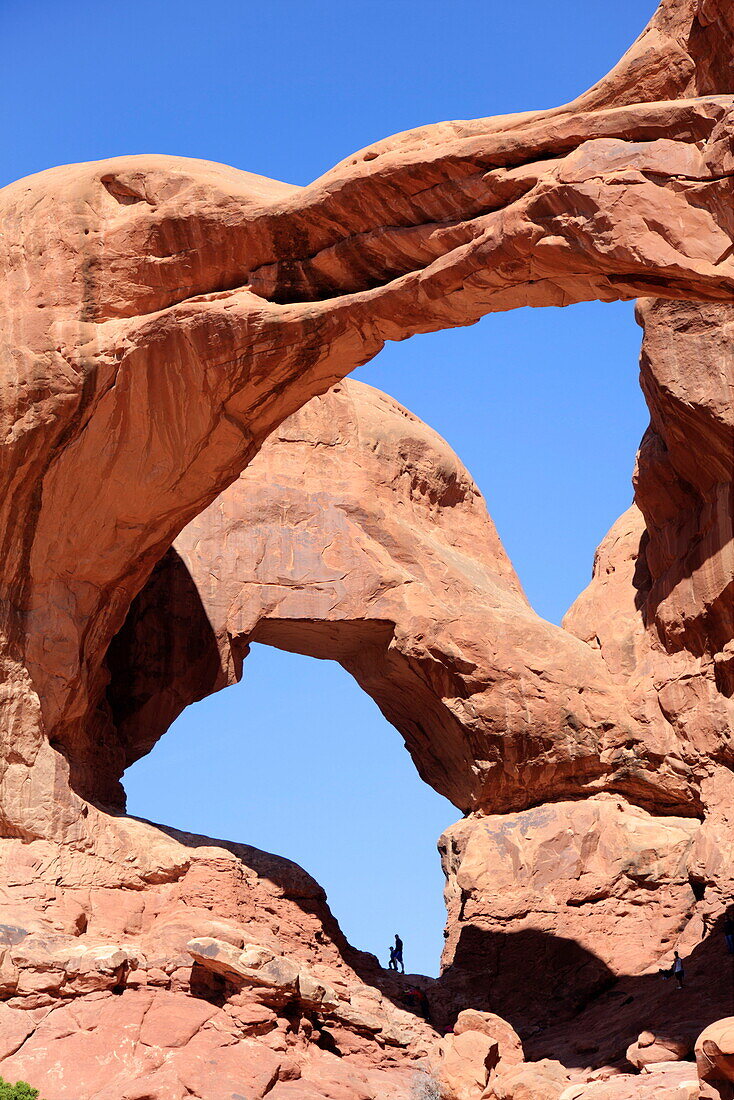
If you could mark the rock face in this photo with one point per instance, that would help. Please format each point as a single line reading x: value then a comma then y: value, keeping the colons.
x: 479, y: 1053
x: 168, y: 314
x: 168, y: 981
x: 161, y: 318
x: 384, y: 558
x: 715, y: 1060
x: 576, y: 893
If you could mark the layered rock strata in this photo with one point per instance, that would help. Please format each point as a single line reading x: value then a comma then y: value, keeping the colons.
x: 167, y: 979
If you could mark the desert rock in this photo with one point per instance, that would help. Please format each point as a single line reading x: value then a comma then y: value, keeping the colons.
x: 161, y: 319
x: 715, y: 1060
x: 225, y: 278
x: 384, y: 558
x: 652, y: 1050
x: 543, y: 1080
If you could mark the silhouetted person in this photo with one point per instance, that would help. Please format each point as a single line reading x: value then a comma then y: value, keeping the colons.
x: 393, y: 964
x: 729, y: 931
x: 678, y: 972
x: 398, y: 950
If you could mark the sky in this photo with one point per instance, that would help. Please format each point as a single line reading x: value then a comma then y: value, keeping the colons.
x: 543, y: 406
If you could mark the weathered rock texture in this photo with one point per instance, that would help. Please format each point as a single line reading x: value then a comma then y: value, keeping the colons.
x: 357, y: 535
x: 160, y: 318
x: 382, y: 556
x: 715, y: 1060
x: 163, y: 977
x: 658, y: 611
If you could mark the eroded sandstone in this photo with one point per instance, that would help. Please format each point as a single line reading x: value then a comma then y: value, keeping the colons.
x: 161, y: 318
x: 214, y: 303
x: 383, y: 557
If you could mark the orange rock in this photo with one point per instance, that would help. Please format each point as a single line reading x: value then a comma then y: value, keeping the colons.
x: 544, y: 1080
x: 662, y: 1082
x: 715, y: 1060
x: 652, y: 1050
x: 386, y: 560
x: 566, y: 895
x: 510, y: 1051
x: 467, y: 1060
x: 161, y: 318
x: 171, y: 301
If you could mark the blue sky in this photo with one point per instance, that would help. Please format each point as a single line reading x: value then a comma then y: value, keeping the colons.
x: 543, y: 406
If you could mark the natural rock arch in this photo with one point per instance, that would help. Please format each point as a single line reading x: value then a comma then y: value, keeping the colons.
x: 179, y: 311
x: 357, y: 535
x: 162, y: 317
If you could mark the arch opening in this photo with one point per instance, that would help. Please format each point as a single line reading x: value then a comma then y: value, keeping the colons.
x: 365, y: 646
x: 316, y: 774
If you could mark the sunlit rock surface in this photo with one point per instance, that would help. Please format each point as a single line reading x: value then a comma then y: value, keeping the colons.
x: 160, y: 319
x: 357, y: 535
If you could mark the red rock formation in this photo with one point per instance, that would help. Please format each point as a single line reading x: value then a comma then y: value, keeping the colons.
x: 179, y: 311
x: 384, y: 558
x: 323, y: 567
x: 481, y: 1050
x: 165, y: 978
x: 583, y: 891
x: 160, y: 318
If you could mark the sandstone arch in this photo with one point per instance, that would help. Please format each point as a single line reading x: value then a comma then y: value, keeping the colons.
x: 357, y: 535
x: 162, y: 317
x: 178, y: 311
x: 336, y: 542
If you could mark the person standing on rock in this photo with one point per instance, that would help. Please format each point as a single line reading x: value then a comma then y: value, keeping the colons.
x: 397, y: 953
x: 393, y: 964
x: 678, y: 972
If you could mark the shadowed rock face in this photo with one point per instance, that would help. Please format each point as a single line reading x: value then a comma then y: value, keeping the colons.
x: 160, y: 319
x: 659, y: 607
x: 685, y: 476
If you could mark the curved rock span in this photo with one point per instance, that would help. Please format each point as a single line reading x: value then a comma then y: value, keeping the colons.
x: 163, y: 321
x: 356, y: 535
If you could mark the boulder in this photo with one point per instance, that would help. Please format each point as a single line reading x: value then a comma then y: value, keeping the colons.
x: 509, y: 1045
x: 254, y: 965
x: 467, y: 1060
x: 651, y: 1049
x: 715, y: 1059
x: 544, y: 1080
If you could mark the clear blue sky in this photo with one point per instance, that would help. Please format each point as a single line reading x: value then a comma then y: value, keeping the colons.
x: 543, y: 406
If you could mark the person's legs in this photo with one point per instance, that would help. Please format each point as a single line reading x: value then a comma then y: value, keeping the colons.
x: 730, y: 942
x: 679, y: 979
